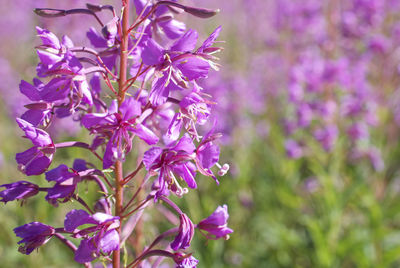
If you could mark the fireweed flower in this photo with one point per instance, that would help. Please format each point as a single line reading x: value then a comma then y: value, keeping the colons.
x: 207, y: 155
x: 293, y: 149
x: 174, y: 159
x: 109, y: 41
x: 18, y: 190
x: 160, y: 101
x: 101, y: 237
x: 56, y: 60
x: 176, y: 66
x: 37, y: 159
x: 69, y: 82
x: 216, y: 225
x: 161, y: 21
x: 33, y: 235
x: 185, y: 233
x: 120, y: 129
x: 327, y: 136
x: 99, y: 41
x: 52, y: 50
x: 38, y: 112
x: 67, y: 88
x: 194, y: 109
x: 66, y: 181
x: 185, y: 261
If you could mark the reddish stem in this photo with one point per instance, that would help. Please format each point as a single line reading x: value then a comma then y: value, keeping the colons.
x: 133, y: 79
x: 119, y: 178
x: 71, y: 246
x: 97, y: 55
x: 78, y: 144
x: 133, y: 174
x: 138, y: 207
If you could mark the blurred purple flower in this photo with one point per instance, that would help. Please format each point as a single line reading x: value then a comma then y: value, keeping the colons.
x: 293, y: 149
x: 216, y: 225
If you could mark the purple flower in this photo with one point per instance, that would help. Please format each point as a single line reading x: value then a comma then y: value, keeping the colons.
x: 327, y: 136
x: 304, y: 115
x: 117, y: 127
x: 38, y: 112
x: 185, y: 261
x: 33, y: 235
x: 110, y: 31
x: 37, y: 159
x: 185, y: 233
x: 194, y: 109
x: 216, y: 225
x: 375, y: 157
x: 177, y: 65
x: 66, y: 181
x: 159, y: 21
x: 52, y: 50
x: 206, y: 47
x: 18, y: 190
x: 70, y: 83
x: 358, y: 131
x: 311, y: 185
x: 293, y: 149
x: 56, y: 60
x: 102, y: 236
x: 98, y: 41
x: 207, y: 155
x: 174, y: 159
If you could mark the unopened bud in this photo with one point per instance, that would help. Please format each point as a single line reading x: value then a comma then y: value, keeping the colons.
x: 110, y: 31
x: 38, y: 106
x: 49, y: 12
x: 211, y: 50
x: 201, y: 12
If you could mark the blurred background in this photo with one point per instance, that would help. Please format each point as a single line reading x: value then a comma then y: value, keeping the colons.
x: 309, y: 104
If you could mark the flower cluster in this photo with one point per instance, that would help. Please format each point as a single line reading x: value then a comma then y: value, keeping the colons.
x: 151, y: 68
x: 325, y: 88
x: 326, y: 83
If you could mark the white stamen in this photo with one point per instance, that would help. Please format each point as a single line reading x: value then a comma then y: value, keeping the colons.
x: 222, y: 170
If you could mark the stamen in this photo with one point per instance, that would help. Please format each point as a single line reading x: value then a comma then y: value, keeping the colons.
x: 222, y: 169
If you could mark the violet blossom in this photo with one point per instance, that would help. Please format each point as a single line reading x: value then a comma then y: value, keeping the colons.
x: 185, y: 260
x: 177, y: 65
x: 37, y: 159
x: 101, y: 237
x: 33, y: 235
x: 120, y: 128
x: 17, y: 191
x: 173, y: 159
x: 216, y: 225
x: 159, y: 67
x: 185, y: 233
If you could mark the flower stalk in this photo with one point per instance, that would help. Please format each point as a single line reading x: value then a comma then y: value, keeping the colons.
x: 142, y: 75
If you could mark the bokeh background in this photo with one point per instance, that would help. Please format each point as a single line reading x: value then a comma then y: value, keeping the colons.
x: 309, y: 104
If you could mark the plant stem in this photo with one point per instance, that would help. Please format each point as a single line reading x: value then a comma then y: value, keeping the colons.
x: 119, y: 178
x: 118, y: 207
x: 71, y: 246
